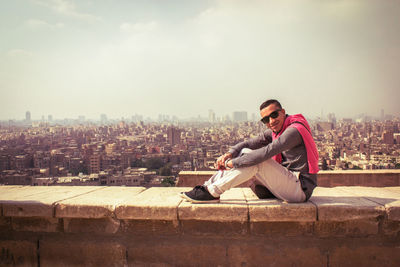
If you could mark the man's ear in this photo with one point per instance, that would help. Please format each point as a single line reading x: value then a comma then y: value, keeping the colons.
x: 284, y: 111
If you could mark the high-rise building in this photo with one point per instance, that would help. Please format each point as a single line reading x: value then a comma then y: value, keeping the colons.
x: 28, y: 116
x: 94, y: 163
x: 174, y: 136
x: 211, y: 115
x: 239, y: 116
x: 388, y: 137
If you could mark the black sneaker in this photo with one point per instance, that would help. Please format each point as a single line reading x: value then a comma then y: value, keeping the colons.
x: 262, y: 192
x: 199, y: 194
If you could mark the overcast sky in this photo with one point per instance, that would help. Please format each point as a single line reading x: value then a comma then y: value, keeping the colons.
x: 69, y: 58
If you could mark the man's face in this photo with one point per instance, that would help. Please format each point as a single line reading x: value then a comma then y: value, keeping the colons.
x: 275, y: 124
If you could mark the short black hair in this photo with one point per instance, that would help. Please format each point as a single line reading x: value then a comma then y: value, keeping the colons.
x: 270, y: 102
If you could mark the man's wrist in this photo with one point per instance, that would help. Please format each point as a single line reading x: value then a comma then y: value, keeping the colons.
x: 227, y: 165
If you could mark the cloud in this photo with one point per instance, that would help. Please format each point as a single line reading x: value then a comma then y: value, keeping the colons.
x: 67, y: 8
x: 138, y: 27
x: 39, y: 24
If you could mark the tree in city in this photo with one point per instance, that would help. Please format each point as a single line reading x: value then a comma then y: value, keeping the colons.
x: 168, y: 182
x: 166, y: 170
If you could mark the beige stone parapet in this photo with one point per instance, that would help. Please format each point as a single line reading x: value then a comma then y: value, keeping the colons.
x: 129, y: 226
x: 159, y: 203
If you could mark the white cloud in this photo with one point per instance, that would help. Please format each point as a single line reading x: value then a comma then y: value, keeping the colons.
x: 67, y: 8
x: 138, y: 27
x: 38, y: 24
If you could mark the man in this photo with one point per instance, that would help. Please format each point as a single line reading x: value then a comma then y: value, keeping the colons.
x: 283, y: 160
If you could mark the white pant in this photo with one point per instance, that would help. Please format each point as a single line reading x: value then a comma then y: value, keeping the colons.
x: 283, y: 183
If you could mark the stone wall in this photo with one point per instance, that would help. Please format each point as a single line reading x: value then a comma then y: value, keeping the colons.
x: 134, y: 226
x: 375, y: 178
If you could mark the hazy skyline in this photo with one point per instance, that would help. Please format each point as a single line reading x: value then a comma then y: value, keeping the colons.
x: 69, y: 58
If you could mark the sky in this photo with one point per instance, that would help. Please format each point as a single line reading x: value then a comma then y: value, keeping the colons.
x: 182, y: 58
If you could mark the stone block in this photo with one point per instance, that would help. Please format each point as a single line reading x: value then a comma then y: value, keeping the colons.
x: 63, y: 252
x: 156, y: 203
x: 275, y: 253
x: 353, y: 228
x: 36, y: 224
x: 18, y: 253
x: 149, y: 227
x: 389, y: 197
x: 193, y: 178
x: 5, y: 223
x: 96, y: 204
x: 232, y: 208
x: 176, y: 252
x: 214, y: 228
x: 280, y: 229
x: 39, y: 200
x: 335, y: 204
x: 99, y: 226
x: 365, y: 255
x: 391, y: 229
x: 274, y: 210
x: 8, y: 191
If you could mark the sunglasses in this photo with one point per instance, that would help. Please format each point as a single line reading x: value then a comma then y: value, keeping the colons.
x: 273, y: 115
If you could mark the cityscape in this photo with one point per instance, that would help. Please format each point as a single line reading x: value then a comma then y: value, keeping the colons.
x: 145, y: 152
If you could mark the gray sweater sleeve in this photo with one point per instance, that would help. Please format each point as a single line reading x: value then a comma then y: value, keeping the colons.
x: 289, y: 139
x: 252, y: 143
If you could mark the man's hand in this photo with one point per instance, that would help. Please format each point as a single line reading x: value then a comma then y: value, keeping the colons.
x: 220, y: 163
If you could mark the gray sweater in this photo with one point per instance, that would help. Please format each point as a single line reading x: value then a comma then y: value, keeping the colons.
x: 290, y: 144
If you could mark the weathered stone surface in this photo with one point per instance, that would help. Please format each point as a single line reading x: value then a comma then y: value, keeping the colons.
x: 232, y: 208
x: 5, y: 223
x: 18, y: 253
x: 156, y: 203
x: 149, y: 227
x: 389, y: 197
x: 273, y: 210
x: 365, y: 255
x: 375, y: 178
x: 351, y: 228
x: 177, y: 252
x: 335, y: 204
x: 214, y: 228
x: 80, y: 253
x: 39, y: 200
x: 7, y: 191
x: 96, y: 204
x: 280, y: 229
x: 275, y: 253
x: 36, y: 224
x: 100, y: 226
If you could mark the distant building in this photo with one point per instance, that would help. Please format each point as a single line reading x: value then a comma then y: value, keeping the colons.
x: 211, y: 116
x: 325, y: 126
x: 28, y: 116
x: 94, y: 163
x: 387, y: 137
x: 174, y: 136
x: 239, y: 116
